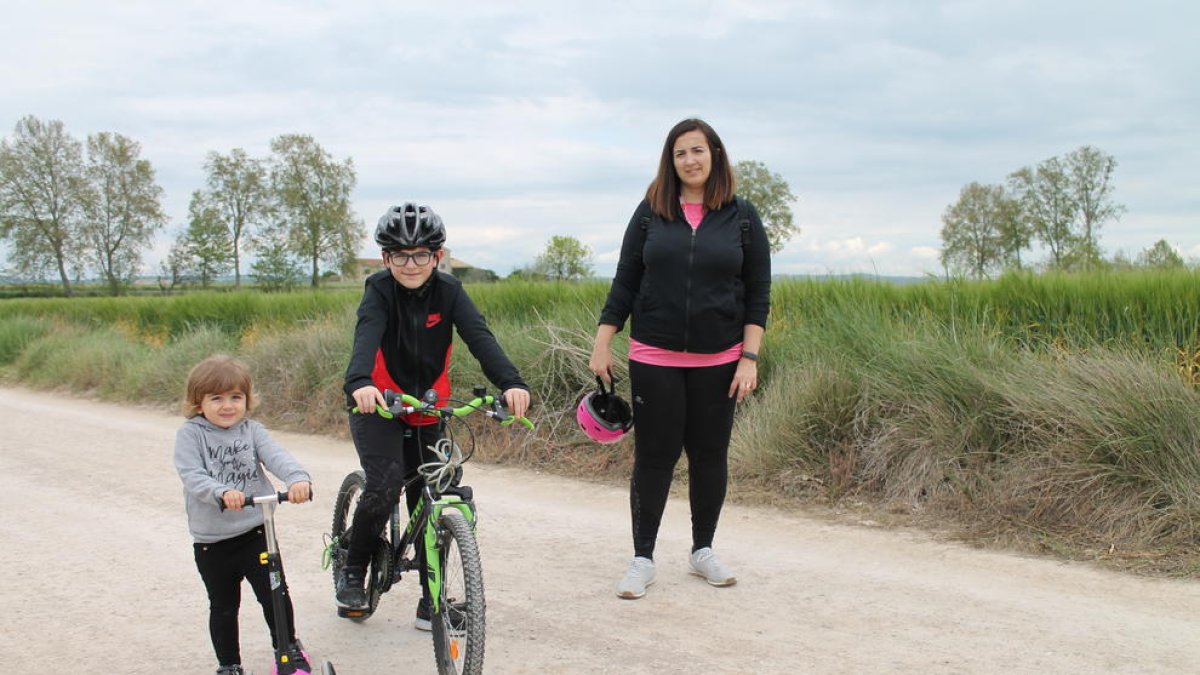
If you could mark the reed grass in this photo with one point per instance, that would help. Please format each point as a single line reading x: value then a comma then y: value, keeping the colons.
x: 1050, y: 413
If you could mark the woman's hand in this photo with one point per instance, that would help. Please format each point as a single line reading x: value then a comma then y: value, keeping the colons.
x: 745, y: 379
x: 601, y: 362
x: 366, y: 398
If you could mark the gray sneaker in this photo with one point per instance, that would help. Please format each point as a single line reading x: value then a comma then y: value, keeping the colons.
x: 705, y: 564
x: 639, y: 576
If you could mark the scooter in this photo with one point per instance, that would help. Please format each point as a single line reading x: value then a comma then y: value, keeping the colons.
x: 283, y: 661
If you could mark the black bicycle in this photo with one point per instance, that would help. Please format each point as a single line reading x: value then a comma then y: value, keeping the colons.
x: 440, y: 533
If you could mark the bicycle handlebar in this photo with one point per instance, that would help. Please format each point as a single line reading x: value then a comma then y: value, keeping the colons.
x: 278, y: 498
x: 405, y: 404
x: 251, y: 500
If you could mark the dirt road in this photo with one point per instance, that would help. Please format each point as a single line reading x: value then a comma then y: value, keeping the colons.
x: 98, y: 576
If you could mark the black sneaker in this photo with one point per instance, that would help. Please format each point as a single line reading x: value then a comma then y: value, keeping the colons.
x: 351, y: 587
x: 456, y: 613
x: 231, y: 670
x: 424, y: 616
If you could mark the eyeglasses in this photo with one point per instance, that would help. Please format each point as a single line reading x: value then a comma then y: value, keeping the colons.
x: 420, y: 258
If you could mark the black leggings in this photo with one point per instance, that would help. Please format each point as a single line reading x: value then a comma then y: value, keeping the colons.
x: 222, y: 566
x: 389, y: 453
x: 679, y: 410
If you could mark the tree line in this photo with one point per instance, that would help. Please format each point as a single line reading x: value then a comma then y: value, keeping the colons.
x: 76, y: 210
x: 70, y: 208
x: 1060, y: 204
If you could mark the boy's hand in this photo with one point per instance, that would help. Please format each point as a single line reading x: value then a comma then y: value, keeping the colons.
x: 234, y: 500
x: 517, y: 400
x: 300, y: 492
x: 366, y: 398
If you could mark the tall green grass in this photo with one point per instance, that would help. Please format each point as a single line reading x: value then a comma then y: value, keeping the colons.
x: 163, y: 318
x: 1035, y: 411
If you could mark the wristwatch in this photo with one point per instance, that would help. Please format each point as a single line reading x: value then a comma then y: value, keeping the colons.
x: 753, y: 356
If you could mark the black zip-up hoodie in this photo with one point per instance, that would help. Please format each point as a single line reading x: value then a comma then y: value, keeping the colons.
x: 403, y: 338
x: 691, y: 290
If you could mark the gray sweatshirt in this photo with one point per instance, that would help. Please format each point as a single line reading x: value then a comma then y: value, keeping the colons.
x: 212, y: 460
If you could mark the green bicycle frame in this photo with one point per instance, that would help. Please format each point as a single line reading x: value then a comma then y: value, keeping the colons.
x: 433, y: 561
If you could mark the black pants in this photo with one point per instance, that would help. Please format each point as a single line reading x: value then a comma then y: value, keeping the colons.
x: 677, y: 410
x: 222, y: 566
x: 389, y: 452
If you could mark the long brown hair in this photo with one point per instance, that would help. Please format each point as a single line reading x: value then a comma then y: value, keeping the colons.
x: 664, y: 190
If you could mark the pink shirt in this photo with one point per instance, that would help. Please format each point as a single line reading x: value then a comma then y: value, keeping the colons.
x: 656, y: 356
x: 694, y: 213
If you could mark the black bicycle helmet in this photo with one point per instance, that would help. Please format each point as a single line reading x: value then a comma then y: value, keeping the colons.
x: 410, y: 226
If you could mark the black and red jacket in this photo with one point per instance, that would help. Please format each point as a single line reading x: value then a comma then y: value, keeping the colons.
x: 403, y: 339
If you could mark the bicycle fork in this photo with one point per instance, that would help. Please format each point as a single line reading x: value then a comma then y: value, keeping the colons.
x: 434, y: 542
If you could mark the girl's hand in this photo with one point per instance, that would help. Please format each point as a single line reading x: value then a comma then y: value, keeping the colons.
x: 366, y: 398
x: 745, y: 379
x: 234, y: 500
x: 300, y: 492
x: 517, y: 400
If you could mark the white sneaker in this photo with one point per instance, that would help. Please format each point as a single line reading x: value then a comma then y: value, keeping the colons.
x: 705, y: 564
x: 639, y: 576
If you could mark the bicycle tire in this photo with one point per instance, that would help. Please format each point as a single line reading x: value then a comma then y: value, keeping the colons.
x: 458, y: 625
x: 341, y: 530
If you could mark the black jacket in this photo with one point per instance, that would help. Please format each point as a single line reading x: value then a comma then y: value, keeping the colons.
x: 403, y: 338
x: 691, y: 291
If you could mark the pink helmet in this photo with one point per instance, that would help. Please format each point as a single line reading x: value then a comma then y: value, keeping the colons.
x: 604, y: 416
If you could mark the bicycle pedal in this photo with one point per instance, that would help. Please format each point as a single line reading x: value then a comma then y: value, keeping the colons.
x: 351, y: 613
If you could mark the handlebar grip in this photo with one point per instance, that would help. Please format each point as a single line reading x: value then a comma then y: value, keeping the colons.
x: 279, y: 497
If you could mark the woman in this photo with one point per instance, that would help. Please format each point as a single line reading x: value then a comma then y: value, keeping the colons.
x: 695, y: 278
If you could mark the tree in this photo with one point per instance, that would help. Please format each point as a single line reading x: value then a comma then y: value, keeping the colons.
x: 974, y: 230
x: 43, y: 193
x: 173, y: 271
x: 1160, y: 256
x: 1048, y: 208
x: 312, y: 201
x: 770, y: 194
x: 126, y: 211
x: 239, y: 195
x: 564, y: 259
x: 1090, y: 172
x: 205, y: 249
x: 276, y: 267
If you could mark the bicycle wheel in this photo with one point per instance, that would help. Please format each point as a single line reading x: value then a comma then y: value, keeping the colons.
x: 342, y: 530
x: 458, y: 625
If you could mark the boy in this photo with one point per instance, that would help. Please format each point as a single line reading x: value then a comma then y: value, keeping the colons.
x: 402, y: 342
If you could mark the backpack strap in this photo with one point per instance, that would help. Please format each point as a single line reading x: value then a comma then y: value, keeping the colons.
x: 644, y: 223
x: 742, y: 211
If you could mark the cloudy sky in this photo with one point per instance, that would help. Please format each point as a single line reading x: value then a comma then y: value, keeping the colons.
x: 520, y: 120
